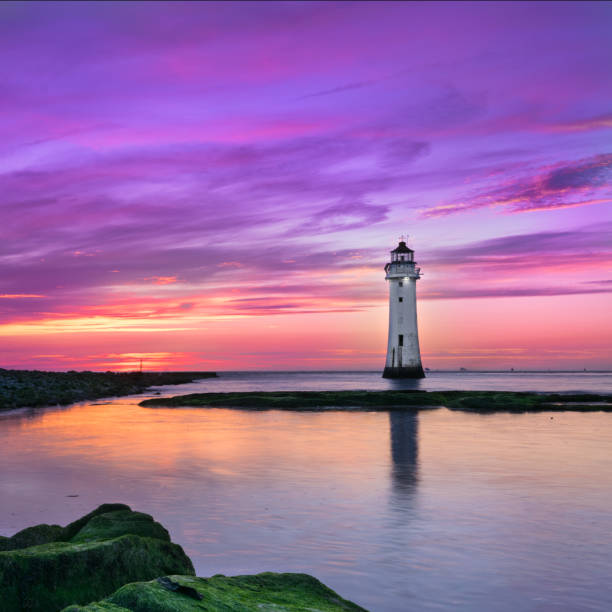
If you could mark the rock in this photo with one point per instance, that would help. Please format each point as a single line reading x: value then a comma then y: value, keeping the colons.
x: 87, y: 560
x: 121, y: 522
x: 261, y: 592
x: 176, y: 587
x: 32, y: 536
x: 73, y: 528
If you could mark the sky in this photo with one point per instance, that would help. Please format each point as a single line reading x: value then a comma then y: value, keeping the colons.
x: 217, y: 186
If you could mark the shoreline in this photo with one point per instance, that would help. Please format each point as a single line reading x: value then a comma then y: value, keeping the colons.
x: 36, y: 388
x: 407, y: 400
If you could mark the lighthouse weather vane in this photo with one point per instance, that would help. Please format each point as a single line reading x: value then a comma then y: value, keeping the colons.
x: 403, y: 352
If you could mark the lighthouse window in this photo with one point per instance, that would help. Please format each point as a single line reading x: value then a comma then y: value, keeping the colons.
x: 401, y: 299
x: 401, y: 284
x: 401, y: 340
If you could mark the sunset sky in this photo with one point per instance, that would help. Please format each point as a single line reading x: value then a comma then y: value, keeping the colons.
x: 218, y: 186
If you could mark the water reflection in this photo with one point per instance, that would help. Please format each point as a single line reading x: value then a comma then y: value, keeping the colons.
x: 397, y: 384
x: 404, y: 452
x: 404, y: 448
x: 25, y: 416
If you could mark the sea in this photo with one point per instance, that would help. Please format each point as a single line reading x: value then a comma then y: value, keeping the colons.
x: 431, y: 511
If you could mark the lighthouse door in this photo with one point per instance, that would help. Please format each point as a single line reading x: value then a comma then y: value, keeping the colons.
x: 399, y: 350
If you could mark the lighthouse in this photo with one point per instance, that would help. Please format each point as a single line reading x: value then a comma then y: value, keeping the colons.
x: 403, y: 353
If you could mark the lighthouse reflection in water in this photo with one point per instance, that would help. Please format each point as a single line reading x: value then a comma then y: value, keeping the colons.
x: 404, y: 453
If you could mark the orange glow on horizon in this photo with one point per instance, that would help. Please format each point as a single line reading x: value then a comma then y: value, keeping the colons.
x: 533, y: 332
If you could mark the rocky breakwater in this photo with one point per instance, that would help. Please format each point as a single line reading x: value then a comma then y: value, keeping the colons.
x: 31, y: 388
x: 127, y: 561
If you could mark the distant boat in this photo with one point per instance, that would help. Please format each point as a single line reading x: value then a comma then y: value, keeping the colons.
x: 462, y: 370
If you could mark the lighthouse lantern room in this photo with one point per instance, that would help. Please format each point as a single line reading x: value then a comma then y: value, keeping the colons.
x: 403, y: 353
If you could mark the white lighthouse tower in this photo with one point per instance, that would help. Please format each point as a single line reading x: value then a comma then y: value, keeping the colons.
x: 403, y: 353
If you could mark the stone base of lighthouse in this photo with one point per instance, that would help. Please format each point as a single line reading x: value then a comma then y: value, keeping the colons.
x: 404, y: 372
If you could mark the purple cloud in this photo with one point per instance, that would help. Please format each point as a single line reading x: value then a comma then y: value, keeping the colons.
x: 560, y: 245
x: 584, y: 182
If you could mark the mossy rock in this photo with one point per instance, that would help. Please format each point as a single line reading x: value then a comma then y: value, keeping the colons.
x: 32, y: 536
x: 261, y: 592
x: 102, y: 555
x: 121, y: 522
x: 73, y: 528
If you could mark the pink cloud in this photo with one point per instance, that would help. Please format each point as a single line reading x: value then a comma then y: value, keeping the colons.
x: 162, y: 280
x: 563, y: 185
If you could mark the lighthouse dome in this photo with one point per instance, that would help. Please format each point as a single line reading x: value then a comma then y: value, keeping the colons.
x: 402, y: 254
x: 402, y: 248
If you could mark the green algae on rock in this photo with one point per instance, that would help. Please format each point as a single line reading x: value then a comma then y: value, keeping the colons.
x: 87, y: 560
x: 114, y: 524
x: 32, y: 536
x: 261, y: 592
x: 73, y: 528
x: 405, y: 399
x: 42, y: 534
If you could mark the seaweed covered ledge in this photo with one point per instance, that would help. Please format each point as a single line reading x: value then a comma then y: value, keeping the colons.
x: 470, y: 401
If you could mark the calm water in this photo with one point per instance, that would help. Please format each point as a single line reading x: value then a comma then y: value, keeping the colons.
x: 399, y: 512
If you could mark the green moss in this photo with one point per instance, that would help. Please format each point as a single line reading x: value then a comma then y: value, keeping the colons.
x: 98, y: 560
x: 73, y: 528
x: 101, y: 606
x: 478, y: 401
x: 32, y: 536
x: 114, y: 524
x: 262, y: 592
x: 300, y: 400
x: 497, y: 401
